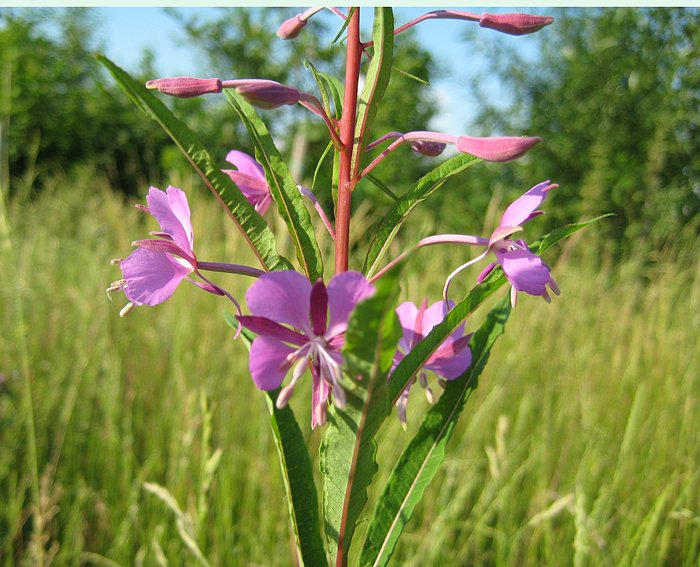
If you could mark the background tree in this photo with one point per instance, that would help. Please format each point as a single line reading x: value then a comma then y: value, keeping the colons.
x: 57, y: 110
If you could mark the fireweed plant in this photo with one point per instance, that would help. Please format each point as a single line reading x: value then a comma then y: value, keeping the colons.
x: 346, y: 333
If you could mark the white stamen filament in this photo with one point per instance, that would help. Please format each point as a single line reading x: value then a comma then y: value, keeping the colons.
x: 449, y: 279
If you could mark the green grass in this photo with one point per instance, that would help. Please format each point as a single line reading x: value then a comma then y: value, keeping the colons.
x: 580, y: 447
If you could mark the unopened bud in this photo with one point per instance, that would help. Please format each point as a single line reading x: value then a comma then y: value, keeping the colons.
x: 185, y: 87
x: 515, y: 24
x: 427, y: 148
x: 291, y: 28
x: 264, y: 93
x: 498, y: 149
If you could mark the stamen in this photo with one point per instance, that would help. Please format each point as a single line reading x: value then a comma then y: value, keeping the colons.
x: 128, y: 308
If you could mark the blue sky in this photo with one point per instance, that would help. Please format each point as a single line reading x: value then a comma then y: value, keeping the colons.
x: 126, y: 32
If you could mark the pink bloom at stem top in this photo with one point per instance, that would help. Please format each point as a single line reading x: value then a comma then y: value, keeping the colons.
x: 300, y: 326
x: 250, y: 178
x: 452, y: 358
x: 153, y: 271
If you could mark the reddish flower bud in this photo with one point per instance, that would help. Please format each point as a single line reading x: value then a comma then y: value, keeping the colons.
x: 496, y: 149
x: 514, y: 24
x: 185, y: 87
x: 264, y: 93
x: 427, y: 148
x: 291, y: 28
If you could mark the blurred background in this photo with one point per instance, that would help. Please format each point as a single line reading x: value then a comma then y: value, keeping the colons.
x: 143, y: 441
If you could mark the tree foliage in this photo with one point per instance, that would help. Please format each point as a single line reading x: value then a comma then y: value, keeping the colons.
x: 57, y: 109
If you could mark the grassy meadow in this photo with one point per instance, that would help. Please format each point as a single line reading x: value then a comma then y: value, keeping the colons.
x: 143, y: 441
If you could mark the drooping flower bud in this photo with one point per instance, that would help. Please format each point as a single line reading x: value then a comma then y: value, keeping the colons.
x: 264, y: 93
x: 291, y: 28
x: 185, y: 87
x: 515, y: 24
x: 497, y: 149
x: 427, y: 148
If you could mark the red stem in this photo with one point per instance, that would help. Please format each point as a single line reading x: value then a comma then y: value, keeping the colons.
x: 346, y: 182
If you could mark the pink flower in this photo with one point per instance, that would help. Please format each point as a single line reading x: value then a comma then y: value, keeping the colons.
x: 154, y: 270
x: 449, y: 361
x: 250, y: 178
x: 524, y: 270
x: 301, y: 325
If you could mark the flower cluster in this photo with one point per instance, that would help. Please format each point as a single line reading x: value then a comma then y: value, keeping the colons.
x: 299, y: 324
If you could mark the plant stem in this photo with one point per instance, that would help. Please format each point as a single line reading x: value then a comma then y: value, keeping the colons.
x: 346, y: 182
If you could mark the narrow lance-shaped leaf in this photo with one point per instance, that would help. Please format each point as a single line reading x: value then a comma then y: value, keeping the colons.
x: 376, y: 80
x: 397, y: 215
x: 330, y: 88
x: 407, y: 368
x: 250, y: 223
x: 282, y: 187
x: 423, y: 456
x: 302, y: 497
x: 348, y: 448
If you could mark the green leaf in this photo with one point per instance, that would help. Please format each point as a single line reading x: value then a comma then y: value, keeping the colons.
x: 425, y: 453
x: 413, y: 362
x: 250, y: 223
x: 329, y: 147
x: 302, y: 497
x: 397, y: 215
x: 376, y: 80
x: 344, y: 26
x: 282, y: 187
x: 348, y: 448
x: 330, y: 88
x: 421, y: 459
x: 379, y: 184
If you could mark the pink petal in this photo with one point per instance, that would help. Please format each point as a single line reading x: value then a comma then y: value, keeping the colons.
x: 171, y: 210
x: 152, y: 277
x: 436, y: 314
x: 345, y: 291
x: 525, y: 270
x: 267, y: 363
x: 524, y: 206
x: 254, y: 190
x: 407, y: 313
x: 268, y: 328
x: 452, y: 366
x: 319, y: 396
x: 319, y: 308
x: 283, y: 297
x: 486, y: 271
x: 246, y: 164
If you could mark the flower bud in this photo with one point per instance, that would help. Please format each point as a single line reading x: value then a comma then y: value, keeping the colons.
x: 291, y: 28
x: 428, y: 148
x: 264, y: 93
x: 515, y: 24
x: 498, y: 149
x: 185, y: 87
